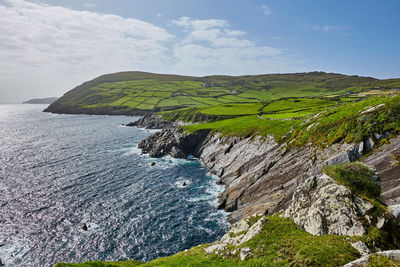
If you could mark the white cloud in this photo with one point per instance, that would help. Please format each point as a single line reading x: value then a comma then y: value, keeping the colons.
x: 46, y: 50
x: 40, y: 40
x: 211, y: 47
x: 266, y: 9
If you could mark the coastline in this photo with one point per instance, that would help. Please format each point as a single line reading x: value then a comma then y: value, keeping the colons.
x: 259, y: 174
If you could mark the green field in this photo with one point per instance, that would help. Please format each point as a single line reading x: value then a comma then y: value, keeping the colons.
x: 135, y: 92
x: 326, y: 123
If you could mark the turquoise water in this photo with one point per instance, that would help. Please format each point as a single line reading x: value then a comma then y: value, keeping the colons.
x: 58, y: 172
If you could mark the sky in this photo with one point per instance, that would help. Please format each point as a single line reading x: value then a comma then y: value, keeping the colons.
x: 48, y: 47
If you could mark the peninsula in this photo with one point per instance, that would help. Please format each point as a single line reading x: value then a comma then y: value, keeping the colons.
x: 310, y: 161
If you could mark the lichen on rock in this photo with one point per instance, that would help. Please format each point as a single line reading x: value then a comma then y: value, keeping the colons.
x: 321, y: 207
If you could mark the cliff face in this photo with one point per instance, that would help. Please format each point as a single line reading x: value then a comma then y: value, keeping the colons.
x: 260, y: 175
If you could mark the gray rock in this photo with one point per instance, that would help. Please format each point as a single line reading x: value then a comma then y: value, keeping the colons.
x: 390, y: 254
x: 321, y: 207
x: 254, y: 230
x: 151, y: 121
x: 216, y: 248
x: 245, y: 253
x: 174, y: 142
x: 260, y: 175
x: 381, y: 222
x: 395, y: 210
x: 361, y: 247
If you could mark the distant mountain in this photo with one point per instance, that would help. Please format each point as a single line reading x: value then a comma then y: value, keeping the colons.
x: 47, y: 100
x: 137, y: 93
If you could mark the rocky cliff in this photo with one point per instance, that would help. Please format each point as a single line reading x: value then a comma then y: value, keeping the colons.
x: 261, y: 175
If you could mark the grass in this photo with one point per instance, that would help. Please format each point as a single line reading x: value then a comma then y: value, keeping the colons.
x: 138, y: 91
x: 358, y: 177
x: 344, y: 122
x: 381, y: 261
x: 247, y: 126
x: 280, y: 243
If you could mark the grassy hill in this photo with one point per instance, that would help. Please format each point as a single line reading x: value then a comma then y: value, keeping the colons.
x: 132, y: 93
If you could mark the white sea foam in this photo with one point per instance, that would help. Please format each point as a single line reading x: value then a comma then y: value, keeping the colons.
x: 180, y: 183
x: 13, y: 252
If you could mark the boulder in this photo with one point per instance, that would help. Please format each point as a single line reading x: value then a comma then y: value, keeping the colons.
x: 321, y: 207
x: 245, y: 253
x: 361, y: 248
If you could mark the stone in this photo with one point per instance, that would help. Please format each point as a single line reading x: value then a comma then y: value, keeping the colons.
x: 363, y: 261
x: 84, y: 227
x: 151, y: 121
x: 395, y: 210
x: 216, y: 248
x: 321, y: 207
x: 253, y: 230
x: 381, y: 222
x: 361, y: 248
x: 245, y: 253
x: 363, y: 205
x: 153, y: 163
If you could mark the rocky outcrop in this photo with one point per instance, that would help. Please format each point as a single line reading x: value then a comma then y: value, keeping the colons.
x: 152, y: 121
x: 386, y: 161
x: 259, y: 174
x: 173, y: 142
x: 240, y: 233
x: 393, y: 255
x: 322, y: 207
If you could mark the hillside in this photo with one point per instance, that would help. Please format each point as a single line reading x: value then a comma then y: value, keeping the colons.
x: 137, y: 93
x: 291, y: 145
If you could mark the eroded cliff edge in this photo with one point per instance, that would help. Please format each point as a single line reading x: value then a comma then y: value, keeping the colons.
x: 261, y: 175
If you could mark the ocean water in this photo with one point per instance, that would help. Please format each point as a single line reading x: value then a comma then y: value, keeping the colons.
x: 58, y: 172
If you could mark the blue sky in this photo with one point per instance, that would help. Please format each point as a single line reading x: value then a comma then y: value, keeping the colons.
x: 58, y: 44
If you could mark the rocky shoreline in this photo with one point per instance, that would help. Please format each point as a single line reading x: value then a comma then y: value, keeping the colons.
x: 260, y: 175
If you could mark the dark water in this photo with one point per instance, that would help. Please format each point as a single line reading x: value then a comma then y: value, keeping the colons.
x: 58, y: 172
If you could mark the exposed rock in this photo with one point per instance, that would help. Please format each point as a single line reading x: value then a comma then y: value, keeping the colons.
x: 239, y: 233
x: 321, y: 207
x: 395, y: 211
x: 383, y: 160
x: 363, y: 261
x: 216, y: 248
x: 381, y: 222
x: 259, y: 174
x: 84, y: 227
x: 372, y: 108
x: 361, y: 247
x: 254, y: 230
x: 245, y: 253
x: 174, y: 142
x: 152, y: 121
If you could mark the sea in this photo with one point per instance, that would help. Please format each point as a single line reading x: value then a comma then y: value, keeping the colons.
x: 60, y: 174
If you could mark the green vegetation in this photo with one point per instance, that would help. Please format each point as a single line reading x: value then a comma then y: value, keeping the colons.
x: 296, y: 107
x: 130, y: 92
x: 280, y: 243
x: 358, y: 177
x: 381, y: 261
x: 322, y: 122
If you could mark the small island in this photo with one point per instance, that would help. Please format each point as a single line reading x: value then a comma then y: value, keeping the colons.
x: 47, y: 100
